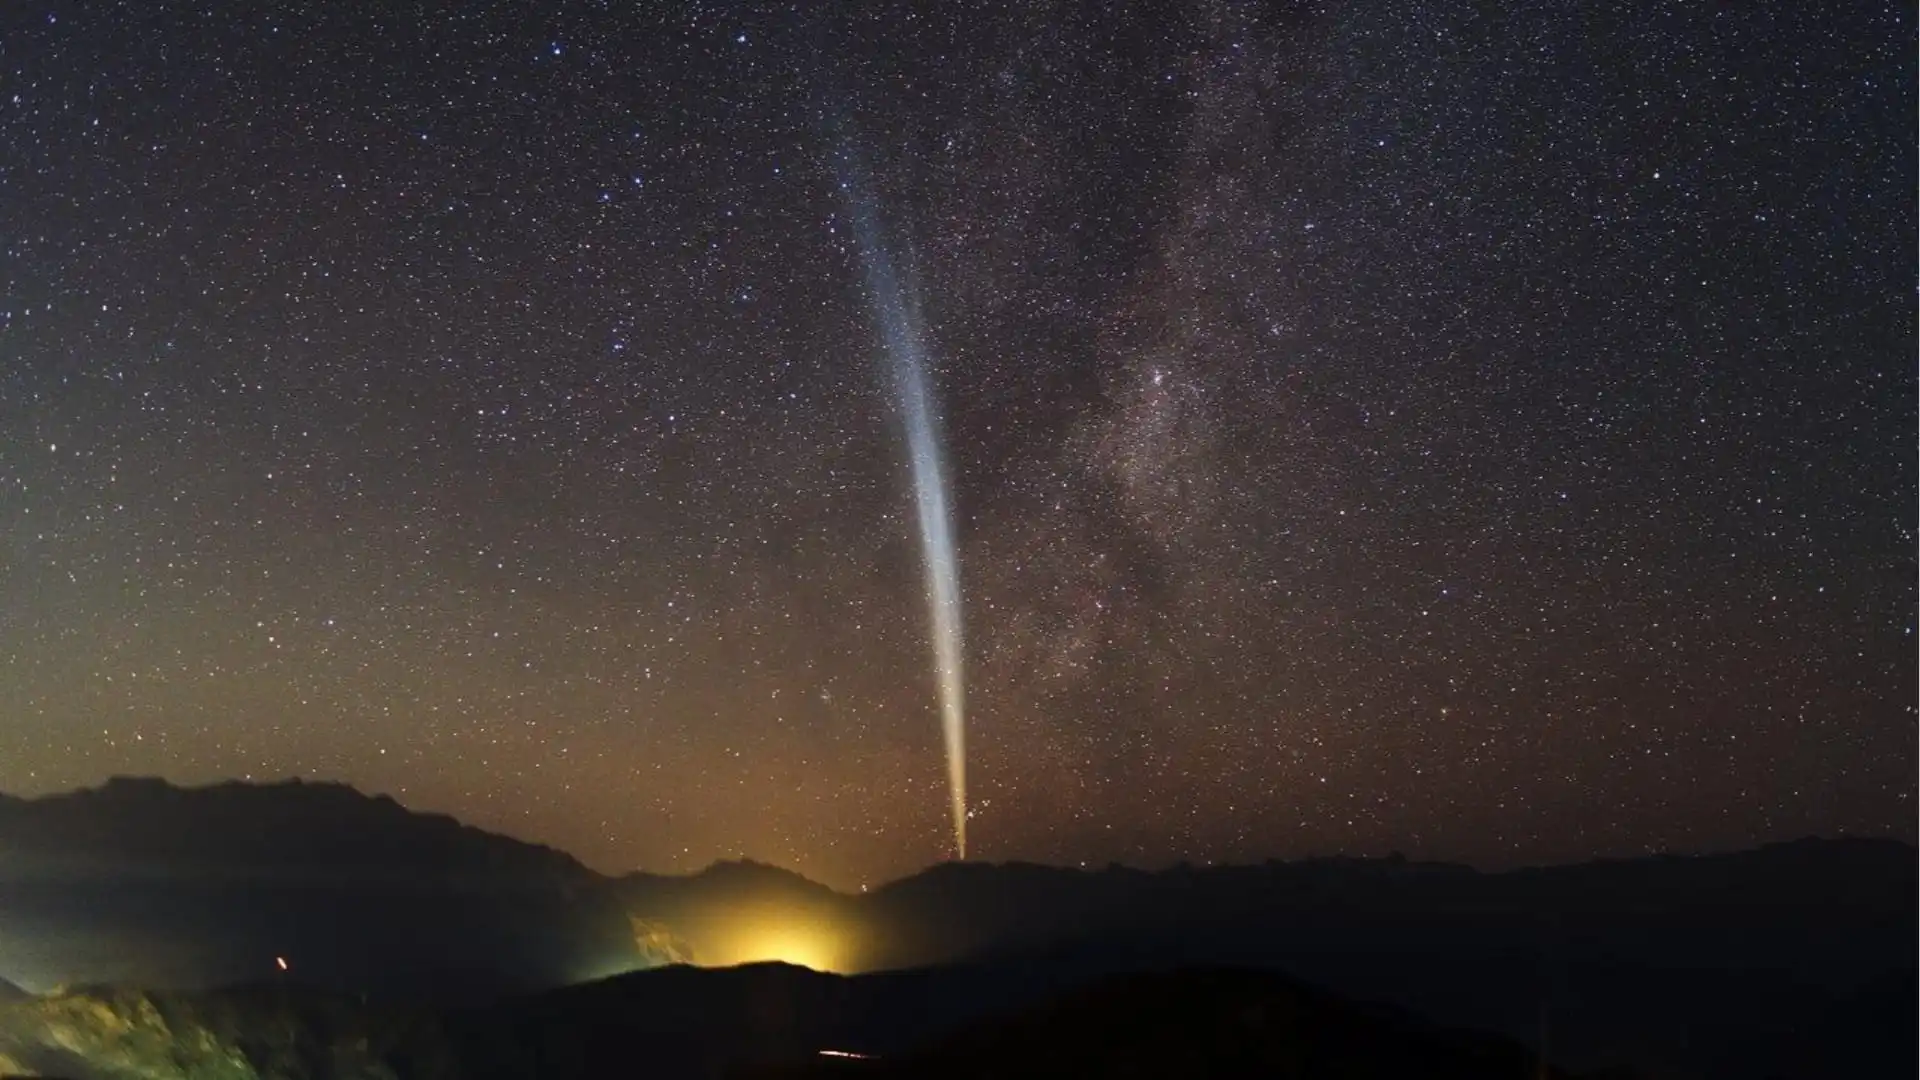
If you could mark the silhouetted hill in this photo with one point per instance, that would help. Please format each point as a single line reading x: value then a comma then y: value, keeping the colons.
x: 1197, y: 1024
x: 1705, y: 965
x: 961, y: 910
x: 773, y: 1020
x: 290, y: 830
x: 143, y: 883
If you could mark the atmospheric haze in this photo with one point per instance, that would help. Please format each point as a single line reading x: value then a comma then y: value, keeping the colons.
x: 903, y: 338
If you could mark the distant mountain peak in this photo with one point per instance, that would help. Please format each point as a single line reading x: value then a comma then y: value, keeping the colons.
x: 751, y: 868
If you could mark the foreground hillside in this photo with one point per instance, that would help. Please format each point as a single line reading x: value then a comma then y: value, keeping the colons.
x: 287, y: 1033
x: 768, y: 1021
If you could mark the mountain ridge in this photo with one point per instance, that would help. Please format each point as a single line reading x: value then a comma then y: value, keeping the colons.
x: 140, y: 823
x: 152, y: 802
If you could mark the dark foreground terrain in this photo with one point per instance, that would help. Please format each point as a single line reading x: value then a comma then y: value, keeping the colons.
x: 762, y: 1021
x: 420, y: 947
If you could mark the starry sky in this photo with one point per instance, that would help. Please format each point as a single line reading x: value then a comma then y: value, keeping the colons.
x: 1480, y: 431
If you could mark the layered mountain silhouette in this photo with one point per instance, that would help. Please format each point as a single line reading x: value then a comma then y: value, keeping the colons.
x: 1795, y: 959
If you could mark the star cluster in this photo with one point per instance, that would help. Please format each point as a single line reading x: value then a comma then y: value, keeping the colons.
x: 1487, y: 435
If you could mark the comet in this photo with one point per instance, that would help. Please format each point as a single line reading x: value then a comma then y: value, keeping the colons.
x: 903, y: 339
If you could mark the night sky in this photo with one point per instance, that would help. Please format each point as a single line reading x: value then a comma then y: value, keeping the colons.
x: 1481, y: 431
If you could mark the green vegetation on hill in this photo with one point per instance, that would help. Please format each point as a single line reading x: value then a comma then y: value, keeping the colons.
x: 249, y: 1034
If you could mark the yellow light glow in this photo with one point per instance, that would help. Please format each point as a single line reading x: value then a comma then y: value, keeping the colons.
x: 789, y: 942
x: 731, y: 934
